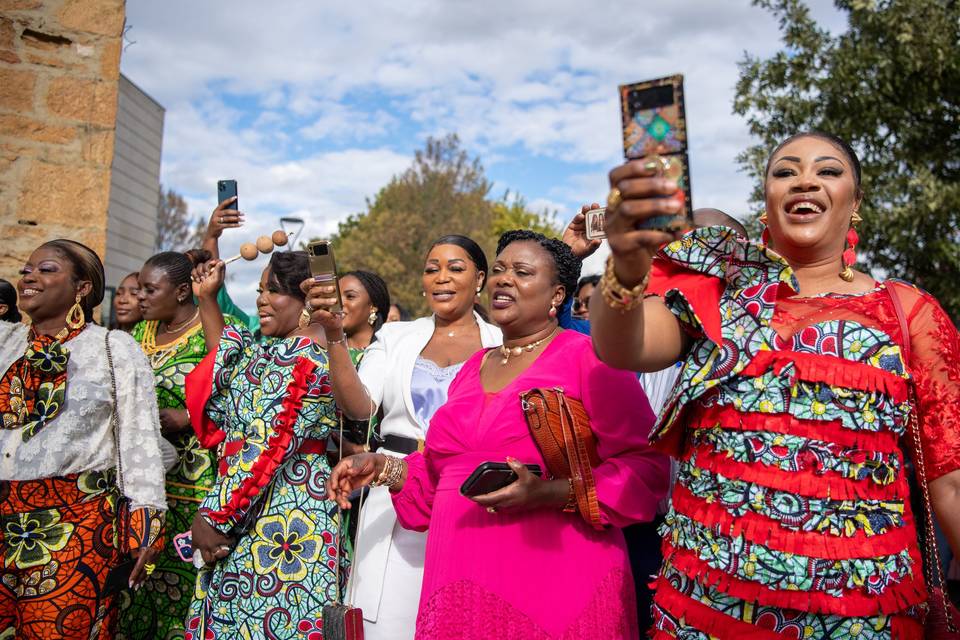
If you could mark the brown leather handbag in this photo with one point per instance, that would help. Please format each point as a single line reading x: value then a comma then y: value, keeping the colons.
x: 561, y: 428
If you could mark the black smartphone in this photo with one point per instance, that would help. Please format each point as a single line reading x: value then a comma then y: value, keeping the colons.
x: 323, y: 266
x: 118, y: 578
x: 227, y: 189
x: 490, y: 476
x: 655, y: 124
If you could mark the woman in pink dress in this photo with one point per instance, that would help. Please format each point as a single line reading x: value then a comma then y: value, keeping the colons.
x: 514, y: 563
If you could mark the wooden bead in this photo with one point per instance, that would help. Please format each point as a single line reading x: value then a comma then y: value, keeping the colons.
x: 264, y: 244
x: 248, y: 251
x: 279, y: 238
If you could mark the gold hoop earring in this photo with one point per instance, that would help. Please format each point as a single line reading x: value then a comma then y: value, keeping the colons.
x: 76, y: 317
x: 372, y: 318
x: 304, y: 320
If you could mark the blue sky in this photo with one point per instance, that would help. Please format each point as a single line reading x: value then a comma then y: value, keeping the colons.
x: 313, y: 106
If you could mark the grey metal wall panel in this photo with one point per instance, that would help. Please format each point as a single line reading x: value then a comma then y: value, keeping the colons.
x: 135, y: 182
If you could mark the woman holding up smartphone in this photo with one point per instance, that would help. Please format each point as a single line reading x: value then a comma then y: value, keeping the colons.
x: 521, y: 562
x: 405, y: 374
x: 265, y: 529
x: 801, y: 381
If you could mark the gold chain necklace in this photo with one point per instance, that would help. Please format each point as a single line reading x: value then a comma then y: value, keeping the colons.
x: 507, y: 352
x: 184, y: 324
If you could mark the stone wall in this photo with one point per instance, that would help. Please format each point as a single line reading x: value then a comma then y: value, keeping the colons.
x: 59, y: 72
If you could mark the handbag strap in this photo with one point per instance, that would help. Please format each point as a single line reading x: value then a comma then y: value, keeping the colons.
x: 933, y: 571
x: 119, y: 524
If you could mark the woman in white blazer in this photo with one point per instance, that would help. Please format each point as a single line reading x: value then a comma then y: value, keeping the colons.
x: 405, y: 372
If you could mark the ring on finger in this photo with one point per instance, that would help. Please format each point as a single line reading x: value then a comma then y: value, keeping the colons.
x: 491, y: 509
x: 614, y: 198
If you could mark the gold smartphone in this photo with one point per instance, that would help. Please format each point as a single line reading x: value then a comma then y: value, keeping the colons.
x: 323, y: 267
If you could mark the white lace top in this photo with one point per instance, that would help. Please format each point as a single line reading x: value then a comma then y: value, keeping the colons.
x: 81, y: 437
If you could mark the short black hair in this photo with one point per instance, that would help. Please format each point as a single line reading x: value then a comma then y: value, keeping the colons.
x: 287, y: 270
x: 839, y: 143
x: 177, y: 266
x: 477, y: 256
x: 377, y: 290
x: 8, y: 296
x: 584, y: 281
x: 566, y: 265
x: 404, y: 314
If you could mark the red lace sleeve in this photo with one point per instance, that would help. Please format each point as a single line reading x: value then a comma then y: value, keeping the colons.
x: 935, y: 363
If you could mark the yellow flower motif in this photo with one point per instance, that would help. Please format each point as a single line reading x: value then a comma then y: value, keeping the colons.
x: 766, y: 406
x: 287, y: 544
x: 856, y: 346
x: 676, y: 245
x: 759, y: 384
x: 818, y: 408
x: 856, y: 629
x: 869, y: 416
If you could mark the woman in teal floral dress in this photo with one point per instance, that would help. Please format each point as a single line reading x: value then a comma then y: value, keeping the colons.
x: 172, y: 337
x: 266, y: 531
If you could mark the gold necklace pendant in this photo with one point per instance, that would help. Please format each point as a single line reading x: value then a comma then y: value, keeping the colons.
x: 183, y: 325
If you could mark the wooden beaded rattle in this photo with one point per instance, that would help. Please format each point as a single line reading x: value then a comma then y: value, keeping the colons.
x: 264, y: 244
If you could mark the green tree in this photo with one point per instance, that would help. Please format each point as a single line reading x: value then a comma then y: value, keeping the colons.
x: 889, y: 85
x: 512, y: 213
x: 443, y: 192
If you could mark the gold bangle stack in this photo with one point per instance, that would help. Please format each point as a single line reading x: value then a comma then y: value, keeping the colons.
x: 618, y: 296
x: 392, y: 472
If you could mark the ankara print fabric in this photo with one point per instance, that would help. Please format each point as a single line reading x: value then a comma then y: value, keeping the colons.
x: 267, y: 403
x: 57, y: 546
x: 791, y: 515
x: 159, y: 608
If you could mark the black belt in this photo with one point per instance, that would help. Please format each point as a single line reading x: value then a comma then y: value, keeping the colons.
x: 401, y: 444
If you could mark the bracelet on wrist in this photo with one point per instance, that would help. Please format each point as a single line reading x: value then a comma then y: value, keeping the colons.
x: 571, y: 505
x: 341, y: 340
x: 392, y: 473
x: 618, y: 296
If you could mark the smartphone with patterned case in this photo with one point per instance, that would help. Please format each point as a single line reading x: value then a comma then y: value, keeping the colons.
x: 655, y: 124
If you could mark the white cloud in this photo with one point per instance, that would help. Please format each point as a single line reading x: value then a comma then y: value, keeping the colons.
x: 275, y: 95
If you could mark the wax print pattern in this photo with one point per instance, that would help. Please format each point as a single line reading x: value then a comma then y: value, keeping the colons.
x: 790, y: 517
x: 283, y: 570
x: 158, y: 609
x: 58, y: 545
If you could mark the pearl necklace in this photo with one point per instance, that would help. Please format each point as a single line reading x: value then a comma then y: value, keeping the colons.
x: 517, y: 351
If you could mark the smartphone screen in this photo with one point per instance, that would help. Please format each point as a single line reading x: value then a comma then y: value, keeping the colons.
x: 654, y: 123
x: 227, y: 189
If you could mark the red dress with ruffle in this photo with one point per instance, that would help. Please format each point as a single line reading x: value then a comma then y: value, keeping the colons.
x: 791, y: 514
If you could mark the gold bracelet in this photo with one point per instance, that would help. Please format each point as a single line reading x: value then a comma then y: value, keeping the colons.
x: 618, y: 296
x: 391, y: 474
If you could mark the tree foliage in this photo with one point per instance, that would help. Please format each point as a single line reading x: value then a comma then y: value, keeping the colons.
x: 889, y: 85
x: 444, y: 191
x: 177, y: 230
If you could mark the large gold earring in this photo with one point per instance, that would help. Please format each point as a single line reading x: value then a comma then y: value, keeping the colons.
x: 304, y: 320
x: 763, y: 218
x: 372, y: 318
x: 75, y: 317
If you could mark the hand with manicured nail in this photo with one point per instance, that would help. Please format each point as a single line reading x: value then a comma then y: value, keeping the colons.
x: 526, y: 492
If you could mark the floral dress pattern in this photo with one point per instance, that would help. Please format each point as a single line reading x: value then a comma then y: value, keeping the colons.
x: 158, y: 609
x: 791, y: 514
x: 270, y: 407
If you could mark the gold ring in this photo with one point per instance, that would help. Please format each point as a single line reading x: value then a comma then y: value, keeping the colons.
x: 491, y: 509
x: 614, y: 198
x: 149, y: 568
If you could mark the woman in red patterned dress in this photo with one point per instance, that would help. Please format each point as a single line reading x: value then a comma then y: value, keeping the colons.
x: 791, y: 515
